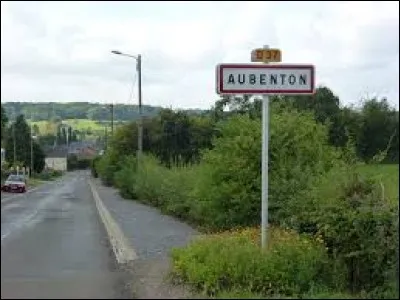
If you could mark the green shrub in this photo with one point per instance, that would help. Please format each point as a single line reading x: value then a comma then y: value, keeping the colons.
x: 93, y: 166
x: 76, y: 163
x: 299, y: 153
x: 172, y: 189
x: 149, y: 179
x: 154, y: 184
x: 291, y: 266
x: 125, y: 178
x: 358, y: 224
x: 237, y: 294
x: 108, y: 165
x: 48, y: 175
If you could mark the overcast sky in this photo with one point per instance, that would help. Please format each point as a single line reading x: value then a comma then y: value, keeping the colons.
x: 60, y: 51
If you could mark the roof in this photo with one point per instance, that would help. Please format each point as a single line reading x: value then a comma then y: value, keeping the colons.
x: 57, y: 152
x: 72, y: 148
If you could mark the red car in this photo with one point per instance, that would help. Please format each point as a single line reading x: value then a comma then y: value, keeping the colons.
x: 14, y: 183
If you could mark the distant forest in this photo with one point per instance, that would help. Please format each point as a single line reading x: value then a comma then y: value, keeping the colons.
x: 81, y: 110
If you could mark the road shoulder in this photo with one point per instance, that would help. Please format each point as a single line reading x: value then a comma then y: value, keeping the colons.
x: 151, y: 236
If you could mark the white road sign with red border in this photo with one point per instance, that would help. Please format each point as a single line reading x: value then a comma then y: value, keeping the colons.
x: 265, y: 79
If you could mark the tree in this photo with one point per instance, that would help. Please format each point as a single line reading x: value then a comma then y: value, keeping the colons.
x: 379, y: 126
x: 4, y: 121
x: 38, y: 158
x: 35, y: 129
x: 21, y: 131
x: 47, y: 140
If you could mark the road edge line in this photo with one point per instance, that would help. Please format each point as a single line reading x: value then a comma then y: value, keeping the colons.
x: 123, y: 252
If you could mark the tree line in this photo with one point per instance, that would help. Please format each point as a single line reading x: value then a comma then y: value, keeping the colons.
x: 178, y: 137
x: 80, y: 110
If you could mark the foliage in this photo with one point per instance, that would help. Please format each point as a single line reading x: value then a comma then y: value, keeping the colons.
x: 75, y: 163
x: 93, y: 166
x: 88, y: 121
x: 357, y: 222
x: 380, y: 129
x: 38, y: 158
x: 48, y: 175
x: 387, y: 176
x: 108, y: 165
x: 298, y: 147
x: 4, y: 121
x: 291, y: 266
x: 83, y: 110
x: 21, y: 131
x: 206, y: 170
x: 224, y: 190
x: 157, y: 185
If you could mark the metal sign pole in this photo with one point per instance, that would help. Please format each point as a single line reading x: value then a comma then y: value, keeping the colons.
x: 264, y: 169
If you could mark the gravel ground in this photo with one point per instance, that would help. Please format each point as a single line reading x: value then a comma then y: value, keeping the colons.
x: 152, y: 236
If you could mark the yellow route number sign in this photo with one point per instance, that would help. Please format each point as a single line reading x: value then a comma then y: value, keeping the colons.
x: 266, y: 55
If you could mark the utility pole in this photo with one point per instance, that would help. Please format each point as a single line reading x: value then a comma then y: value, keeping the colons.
x: 140, y: 128
x: 14, y: 140
x: 138, y: 59
x: 105, y: 138
x: 112, y: 118
x: 15, y: 145
x: 31, y: 172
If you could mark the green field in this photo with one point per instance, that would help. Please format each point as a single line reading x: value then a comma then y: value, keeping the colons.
x: 83, y: 125
x: 388, y: 175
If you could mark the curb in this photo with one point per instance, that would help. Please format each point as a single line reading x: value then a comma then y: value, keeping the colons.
x: 123, y: 252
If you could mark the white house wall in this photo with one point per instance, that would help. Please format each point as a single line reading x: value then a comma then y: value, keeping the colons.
x: 56, y: 163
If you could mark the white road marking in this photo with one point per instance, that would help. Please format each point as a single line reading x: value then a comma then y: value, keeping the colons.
x: 122, y: 249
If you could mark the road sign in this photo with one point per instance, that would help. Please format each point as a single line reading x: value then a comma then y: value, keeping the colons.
x: 266, y: 55
x: 265, y: 79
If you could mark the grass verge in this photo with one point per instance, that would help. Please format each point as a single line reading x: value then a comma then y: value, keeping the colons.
x: 388, y: 175
x: 292, y: 266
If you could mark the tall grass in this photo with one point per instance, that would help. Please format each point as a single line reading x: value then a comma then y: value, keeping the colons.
x: 291, y: 266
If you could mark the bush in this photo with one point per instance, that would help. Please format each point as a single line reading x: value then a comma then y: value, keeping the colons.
x: 108, y: 165
x: 224, y: 190
x: 154, y: 184
x: 75, y: 163
x: 93, y: 166
x: 291, y: 266
x: 48, y: 175
x: 125, y: 178
x: 4, y: 175
x: 358, y: 224
x: 299, y: 153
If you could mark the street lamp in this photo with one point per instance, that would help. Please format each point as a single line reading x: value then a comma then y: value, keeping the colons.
x: 138, y: 59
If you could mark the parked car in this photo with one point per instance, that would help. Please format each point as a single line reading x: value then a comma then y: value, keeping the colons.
x: 15, y: 183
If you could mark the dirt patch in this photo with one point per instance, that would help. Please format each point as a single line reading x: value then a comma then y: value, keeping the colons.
x: 151, y: 280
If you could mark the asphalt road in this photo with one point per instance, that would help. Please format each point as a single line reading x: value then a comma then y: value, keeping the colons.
x: 54, y: 246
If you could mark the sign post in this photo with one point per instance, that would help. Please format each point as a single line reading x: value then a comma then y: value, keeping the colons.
x: 265, y: 79
x: 264, y: 168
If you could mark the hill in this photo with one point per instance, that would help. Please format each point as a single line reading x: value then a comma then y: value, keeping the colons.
x: 81, y: 110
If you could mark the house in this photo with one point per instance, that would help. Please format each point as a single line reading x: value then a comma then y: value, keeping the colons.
x: 56, y: 159
x: 83, y: 150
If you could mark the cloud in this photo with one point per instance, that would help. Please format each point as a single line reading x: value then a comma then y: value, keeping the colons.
x: 60, y: 51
